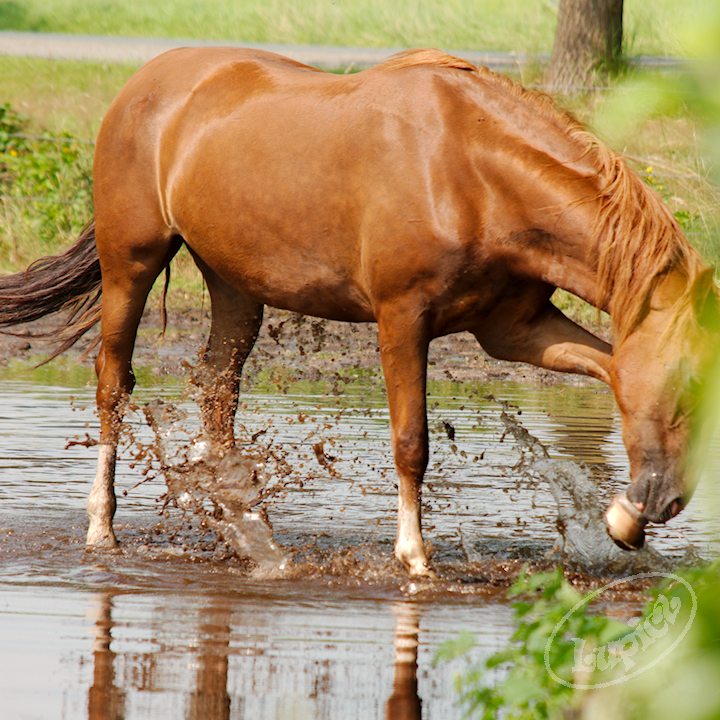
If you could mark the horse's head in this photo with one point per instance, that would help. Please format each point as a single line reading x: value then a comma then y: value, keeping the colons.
x: 660, y: 375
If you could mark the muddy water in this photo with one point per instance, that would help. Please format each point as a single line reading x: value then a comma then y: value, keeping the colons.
x: 172, y: 626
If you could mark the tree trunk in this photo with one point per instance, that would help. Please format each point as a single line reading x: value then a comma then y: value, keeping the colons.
x: 588, y: 43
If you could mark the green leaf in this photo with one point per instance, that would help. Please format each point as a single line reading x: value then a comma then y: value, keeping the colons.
x: 520, y: 690
x: 452, y: 649
x: 613, y: 630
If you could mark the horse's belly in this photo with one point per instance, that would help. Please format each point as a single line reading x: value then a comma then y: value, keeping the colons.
x: 309, y: 293
x: 279, y: 273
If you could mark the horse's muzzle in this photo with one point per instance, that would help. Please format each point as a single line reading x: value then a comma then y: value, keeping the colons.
x: 625, y: 523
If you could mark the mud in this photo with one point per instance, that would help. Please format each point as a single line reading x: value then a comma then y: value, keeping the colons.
x: 290, y: 348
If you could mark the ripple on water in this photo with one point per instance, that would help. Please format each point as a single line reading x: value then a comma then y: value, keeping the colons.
x: 171, y: 624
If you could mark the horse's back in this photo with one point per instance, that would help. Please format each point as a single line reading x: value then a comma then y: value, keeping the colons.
x: 287, y: 178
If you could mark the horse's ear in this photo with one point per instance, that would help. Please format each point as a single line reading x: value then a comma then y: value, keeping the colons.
x: 705, y: 300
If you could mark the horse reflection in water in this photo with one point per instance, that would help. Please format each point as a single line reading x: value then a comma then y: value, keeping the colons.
x: 106, y: 701
x: 405, y: 703
x: 425, y: 195
x: 209, y: 698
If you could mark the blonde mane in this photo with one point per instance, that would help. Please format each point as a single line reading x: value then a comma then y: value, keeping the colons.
x: 430, y: 56
x: 636, y: 240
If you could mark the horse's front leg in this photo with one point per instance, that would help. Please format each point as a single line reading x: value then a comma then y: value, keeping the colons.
x: 403, y: 350
x: 549, y: 340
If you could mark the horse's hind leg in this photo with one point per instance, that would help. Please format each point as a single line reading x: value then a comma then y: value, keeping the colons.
x: 236, y: 320
x: 128, y: 277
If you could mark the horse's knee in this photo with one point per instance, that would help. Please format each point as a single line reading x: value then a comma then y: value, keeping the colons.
x: 410, y: 448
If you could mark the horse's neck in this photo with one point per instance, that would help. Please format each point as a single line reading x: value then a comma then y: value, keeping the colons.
x: 558, y: 246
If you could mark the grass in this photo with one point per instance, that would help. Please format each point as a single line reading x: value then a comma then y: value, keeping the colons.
x: 61, y: 96
x: 520, y: 25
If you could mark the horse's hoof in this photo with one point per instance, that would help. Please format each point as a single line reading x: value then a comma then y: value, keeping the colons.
x: 419, y: 569
x: 417, y: 586
x: 425, y: 573
x: 625, y: 523
x: 101, y: 540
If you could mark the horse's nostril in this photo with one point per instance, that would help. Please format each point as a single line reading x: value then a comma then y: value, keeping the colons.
x: 671, y: 510
x: 637, y: 494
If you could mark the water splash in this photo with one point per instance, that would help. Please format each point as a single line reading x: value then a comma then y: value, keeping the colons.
x: 582, y: 534
x: 225, y: 489
x: 228, y: 492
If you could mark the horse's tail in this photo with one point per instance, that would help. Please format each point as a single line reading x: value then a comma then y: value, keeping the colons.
x: 69, y: 283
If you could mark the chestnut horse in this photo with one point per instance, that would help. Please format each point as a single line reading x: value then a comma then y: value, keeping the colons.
x: 424, y: 194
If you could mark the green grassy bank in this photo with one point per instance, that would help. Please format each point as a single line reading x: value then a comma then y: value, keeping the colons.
x: 522, y: 25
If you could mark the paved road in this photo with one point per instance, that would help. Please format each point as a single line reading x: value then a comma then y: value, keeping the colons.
x: 139, y: 50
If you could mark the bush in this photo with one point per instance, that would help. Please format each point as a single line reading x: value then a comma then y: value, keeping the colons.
x: 681, y: 683
x: 523, y: 688
x: 597, y: 673
x: 46, y: 188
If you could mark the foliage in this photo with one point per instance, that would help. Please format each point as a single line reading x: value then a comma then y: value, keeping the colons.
x: 681, y: 683
x: 680, y: 680
x: 523, y: 688
x: 11, y: 124
x: 46, y: 188
x: 643, y: 99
